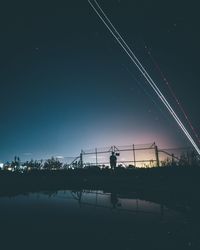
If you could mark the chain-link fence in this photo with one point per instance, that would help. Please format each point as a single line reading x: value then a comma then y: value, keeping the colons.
x: 127, y: 156
x: 142, y: 155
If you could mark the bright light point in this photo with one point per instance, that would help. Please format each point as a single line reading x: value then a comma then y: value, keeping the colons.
x: 60, y: 157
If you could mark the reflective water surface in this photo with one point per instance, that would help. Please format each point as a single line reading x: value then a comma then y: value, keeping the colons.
x: 92, y: 220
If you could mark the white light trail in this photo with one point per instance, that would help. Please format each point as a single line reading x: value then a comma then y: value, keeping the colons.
x: 135, y: 60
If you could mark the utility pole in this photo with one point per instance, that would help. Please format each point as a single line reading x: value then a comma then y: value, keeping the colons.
x: 134, y: 156
x: 96, y: 156
x: 157, y: 156
x: 81, y: 159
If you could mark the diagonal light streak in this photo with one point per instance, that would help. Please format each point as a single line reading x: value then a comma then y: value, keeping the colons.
x: 173, y: 93
x: 98, y: 10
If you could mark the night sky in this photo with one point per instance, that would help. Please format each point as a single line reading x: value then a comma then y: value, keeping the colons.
x: 66, y: 84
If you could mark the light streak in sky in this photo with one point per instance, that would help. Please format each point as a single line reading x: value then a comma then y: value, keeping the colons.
x: 145, y: 91
x: 96, y: 7
x: 172, y: 92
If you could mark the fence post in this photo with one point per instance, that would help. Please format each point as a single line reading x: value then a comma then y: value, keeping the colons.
x: 157, y: 156
x: 81, y: 159
x: 173, y: 161
x: 96, y: 156
x: 134, y: 160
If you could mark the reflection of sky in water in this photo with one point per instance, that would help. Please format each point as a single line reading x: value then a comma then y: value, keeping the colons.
x: 82, y: 219
x: 83, y: 202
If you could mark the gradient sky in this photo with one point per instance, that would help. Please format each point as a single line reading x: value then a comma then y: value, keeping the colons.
x: 66, y: 85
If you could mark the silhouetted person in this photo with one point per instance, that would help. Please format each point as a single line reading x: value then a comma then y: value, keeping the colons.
x: 113, y: 161
x: 114, y: 199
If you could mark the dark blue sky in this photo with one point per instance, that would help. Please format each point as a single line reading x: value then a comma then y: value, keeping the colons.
x: 66, y: 84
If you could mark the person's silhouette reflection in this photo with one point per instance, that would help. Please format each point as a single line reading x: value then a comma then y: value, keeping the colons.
x: 114, y: 200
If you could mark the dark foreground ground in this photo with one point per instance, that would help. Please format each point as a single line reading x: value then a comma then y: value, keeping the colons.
x: 32, y: 221
x: 169, y: 184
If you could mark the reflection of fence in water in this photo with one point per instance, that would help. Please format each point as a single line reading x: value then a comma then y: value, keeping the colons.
x: 98, y: 199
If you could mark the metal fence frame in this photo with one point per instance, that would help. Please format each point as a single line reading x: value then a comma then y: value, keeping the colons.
x: 117, y: 150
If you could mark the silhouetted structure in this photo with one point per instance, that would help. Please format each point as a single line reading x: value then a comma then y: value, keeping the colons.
x: 113, y: 161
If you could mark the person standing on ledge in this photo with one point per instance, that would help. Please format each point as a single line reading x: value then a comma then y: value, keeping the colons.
x: 113, y: 161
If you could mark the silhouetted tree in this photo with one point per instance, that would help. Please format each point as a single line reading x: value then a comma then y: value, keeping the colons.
x: 166, y: 163
x: 33, y: 165
x: 6, y: 165
x: 130, y: 166
x: 52, y: 163
x: 183, y: 161
x: 15, y: 165
x: 66, y: 166
x: 193, y: 158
